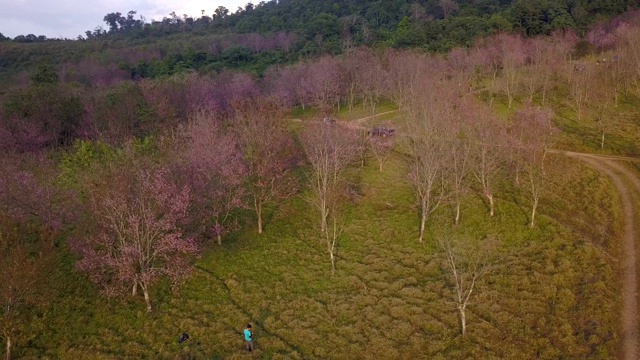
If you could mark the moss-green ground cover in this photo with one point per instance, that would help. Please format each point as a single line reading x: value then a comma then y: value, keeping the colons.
x: 553, y: 293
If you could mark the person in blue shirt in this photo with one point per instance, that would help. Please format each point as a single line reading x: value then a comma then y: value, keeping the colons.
x: 248, y: 337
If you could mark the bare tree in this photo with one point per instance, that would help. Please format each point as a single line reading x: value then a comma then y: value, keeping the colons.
x: 334, y: 224
x: 428, y: 159
x: 604, y: 91
x: 535, y: 135
x: 580, y: 81
x: 372, y: 81
x: 449, y: 7
x: 534, y: 73
x: 513, y: 57
x: 548, y: 56
x: 487, y: 57
x: 460, y: 68
x: 329, y: 149
x: 467, y: 261
x: 537, y: 183
x: 457, y: 165
x: 381, y: 146
x: 489, y: 137
x: 427, y: 179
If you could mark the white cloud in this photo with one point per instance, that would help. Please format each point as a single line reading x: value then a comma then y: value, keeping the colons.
x: 70, y: 18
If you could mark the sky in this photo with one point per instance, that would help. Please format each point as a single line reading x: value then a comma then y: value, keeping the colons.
x: 70, y: 18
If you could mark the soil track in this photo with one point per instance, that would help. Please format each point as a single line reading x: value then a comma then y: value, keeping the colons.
x: 358, y: 123
x: 627, y: 184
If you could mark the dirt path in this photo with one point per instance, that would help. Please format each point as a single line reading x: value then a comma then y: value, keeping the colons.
x: 626, y: 183
x: 357, y: 123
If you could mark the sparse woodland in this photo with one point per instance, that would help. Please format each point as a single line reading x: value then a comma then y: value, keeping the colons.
x: 132, y: 210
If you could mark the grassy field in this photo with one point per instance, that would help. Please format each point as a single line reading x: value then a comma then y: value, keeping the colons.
x: 553, y: 292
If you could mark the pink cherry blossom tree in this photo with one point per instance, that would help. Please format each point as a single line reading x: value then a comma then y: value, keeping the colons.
x: 217, y: 174
x: 32, y: 213
x: 24, y: 269
x: 324, y: 82
x: 137, y: 237
x: 268, y: 150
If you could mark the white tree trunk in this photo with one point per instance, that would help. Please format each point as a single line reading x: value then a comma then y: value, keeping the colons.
x: 147, y: 299
x: 259, y: 214
x: 491, y: 204
x: 324, y: 213
x: 532, y: 224
x: 463, y: 319
x: 333, y: 262
x: 8, y: 348
x: 423, y: 223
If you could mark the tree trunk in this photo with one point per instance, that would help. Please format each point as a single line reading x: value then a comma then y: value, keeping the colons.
x: 491, y: 204
x: 134, y: 289
x: 8, y: 348
x: 333, y: 262
x: 220, y: 239
x: 463, y: 320
x: 259, y: 215
x: 423, y: 223
x: 457, y: 213
x: 147, y: 299
x: 602, y: 141
x: 532, y: 224
x: 324, y: 213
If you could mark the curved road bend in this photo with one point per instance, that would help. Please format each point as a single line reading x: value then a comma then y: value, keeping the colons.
x: 618, y: 174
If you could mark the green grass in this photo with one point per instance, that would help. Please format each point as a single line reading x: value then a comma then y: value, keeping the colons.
x: 554, y: 293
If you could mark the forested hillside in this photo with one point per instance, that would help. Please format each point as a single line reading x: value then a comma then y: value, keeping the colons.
x: 277, y: 32
x: 349, y: 201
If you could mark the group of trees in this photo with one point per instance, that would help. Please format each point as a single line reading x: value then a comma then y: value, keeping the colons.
x: 336, y: 25
x: 155, y: 169
x: 457, y: 143
x: 33, y: 213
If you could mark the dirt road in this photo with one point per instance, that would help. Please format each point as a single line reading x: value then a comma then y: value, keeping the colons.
x: 627, y: 184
